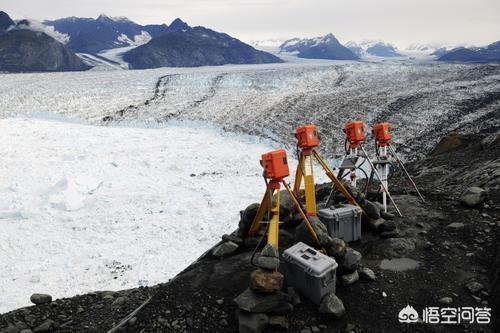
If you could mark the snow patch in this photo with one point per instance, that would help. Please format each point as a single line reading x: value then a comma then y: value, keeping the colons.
x: 37, y: 26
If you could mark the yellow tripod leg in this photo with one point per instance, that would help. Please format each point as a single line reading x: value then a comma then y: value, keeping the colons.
x: 273, y: 230
x: 303, y: 214
x: 336, y: 181
x: 255, y: 227
x: 298, y: 175
x: 309, y: 186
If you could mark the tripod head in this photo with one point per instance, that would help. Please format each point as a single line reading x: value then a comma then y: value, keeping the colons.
x: 382, y: 134
x: 307, y: 137
x: 355, y: 133
x: 275, y: 166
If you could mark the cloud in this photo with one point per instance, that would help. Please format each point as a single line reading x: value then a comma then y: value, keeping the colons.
x: 38, y: 26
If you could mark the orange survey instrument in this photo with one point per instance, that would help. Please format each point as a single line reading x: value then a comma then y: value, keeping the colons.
x: 382, y: 133
x: 307, y: 136
x: 307, y: 141
x: 355, y: 132
x: 275, y: 165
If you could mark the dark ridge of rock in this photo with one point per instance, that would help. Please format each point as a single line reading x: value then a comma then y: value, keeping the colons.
x: 30, y: 51
x: 5, y: 22
x: 88, y: 35
x: 490, y: 53
x: 326, y: 47
x: 192, y: 47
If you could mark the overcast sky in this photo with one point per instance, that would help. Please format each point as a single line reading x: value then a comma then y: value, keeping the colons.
x: 401, y: 22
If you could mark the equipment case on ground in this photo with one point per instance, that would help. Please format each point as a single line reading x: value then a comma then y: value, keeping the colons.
x: 342, y: 221
x: 311, y: 272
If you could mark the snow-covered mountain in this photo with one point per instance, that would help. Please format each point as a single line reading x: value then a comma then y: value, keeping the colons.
x: 29, y: 46
x: 373, y: 48
x: 324, y: 47
x: 185, y: 46
x: 88, y: 35
x: 490, y: 53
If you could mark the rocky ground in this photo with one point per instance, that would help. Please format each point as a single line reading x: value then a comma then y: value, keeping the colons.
x: 446, y: 252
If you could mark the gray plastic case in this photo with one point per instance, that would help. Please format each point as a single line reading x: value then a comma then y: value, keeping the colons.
x: 311, y: 272
x: 342, y: 221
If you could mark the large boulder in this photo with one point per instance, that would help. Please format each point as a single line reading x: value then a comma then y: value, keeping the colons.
x: 252, y: 322
x: 266, y: 281
x: 40, y: 299
x: 302, y: 233
x: 246, y: 218
x: 473, y: 196
x: 225, y: 249
x: 251, y: 301
x: 331, y: 304
x: 351, y: 260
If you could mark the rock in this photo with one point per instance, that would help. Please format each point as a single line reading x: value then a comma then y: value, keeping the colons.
x: 388, y: 226
x: 119, y: 301
x: 40, y: 299
x: 456, y: 225
x: 46, y: 326
x: 333, y: 305
x: 269, y: 251
x: 350, y: 261
x: 386, y: 215
x: 366, y: 274
x: 337, y: 249
x: 286, y: 203
x: 26, y: 330
x: 474, y: 286
x: 252, y: 322
x: 279, y: 322
x: 349, y: 279
x: 287, y: 239
x: 445, y: 300
x: 293, y: 295
x: 269, y: 263
x: 371, y: 209
x: 132, y: 321
x: 253, y: 302
x: 302, y: 233
x: 389, y: 234
x: 265, y: 281
x: 225, y: 249
x: 473, y: 196
x: 247, y: 217
x: 375, y: 224
x: 232, y: 238
x: 252, y: 242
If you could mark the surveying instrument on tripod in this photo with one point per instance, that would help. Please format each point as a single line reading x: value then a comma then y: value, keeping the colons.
x: 356, y: 155
x: 275, y: 166
x: 307, y: 142
x: 385, y: 157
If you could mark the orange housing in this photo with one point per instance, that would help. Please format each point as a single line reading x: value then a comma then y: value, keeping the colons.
x: 382, y: 133
x: 307, y: 136
x: 275, y: 165
x: 355, y: 132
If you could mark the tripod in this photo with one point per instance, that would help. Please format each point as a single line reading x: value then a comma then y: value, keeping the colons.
x: 356, y: 136
x: 275, y: 166
x: 308, y: 140
x: 385, y: 155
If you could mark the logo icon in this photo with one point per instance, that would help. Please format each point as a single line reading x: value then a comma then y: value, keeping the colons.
x: 408, y: 315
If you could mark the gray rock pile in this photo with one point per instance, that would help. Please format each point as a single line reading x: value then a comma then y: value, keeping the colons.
x: 267, y: 301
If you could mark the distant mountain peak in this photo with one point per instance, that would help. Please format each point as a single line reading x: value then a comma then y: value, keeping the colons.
x: 178, y: 25
x: 323, y: 47
x: 5, y: 21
